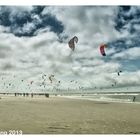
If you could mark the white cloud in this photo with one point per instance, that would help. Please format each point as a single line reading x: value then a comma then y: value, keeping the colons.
x: 30, y: 57
x: 92, y: 25
x: 28, y: 27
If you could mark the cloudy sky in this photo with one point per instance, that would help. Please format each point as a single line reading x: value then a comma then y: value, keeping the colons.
x: 34, y: 45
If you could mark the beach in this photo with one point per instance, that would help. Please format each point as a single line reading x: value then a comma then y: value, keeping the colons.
x: 61, y: 115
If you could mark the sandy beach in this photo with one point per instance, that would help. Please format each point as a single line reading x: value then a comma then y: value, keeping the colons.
x: 59, y: 115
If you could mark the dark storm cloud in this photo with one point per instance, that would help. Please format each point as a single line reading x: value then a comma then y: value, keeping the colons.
x: 27, y: 23
x: 128, y: 15
x: 122, y: 18
x: 127, y: 20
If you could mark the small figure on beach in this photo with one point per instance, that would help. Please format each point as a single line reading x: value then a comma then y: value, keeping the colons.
x: 47, y: 95
x: 32, y: 95
x: 134, y: 98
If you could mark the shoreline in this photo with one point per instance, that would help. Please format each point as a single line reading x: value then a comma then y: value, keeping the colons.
x: 98, y: 100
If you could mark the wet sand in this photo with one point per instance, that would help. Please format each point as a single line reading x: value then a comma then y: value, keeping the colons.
x: 58, y: 115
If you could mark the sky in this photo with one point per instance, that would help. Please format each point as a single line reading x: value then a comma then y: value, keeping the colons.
x: 34, y: 45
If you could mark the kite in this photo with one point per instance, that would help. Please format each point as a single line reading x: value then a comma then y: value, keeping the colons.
x: 119, y: 73
x: 31, y: 82
x: 72, y: 42
x: 102, y: 49
x: 50, y: 77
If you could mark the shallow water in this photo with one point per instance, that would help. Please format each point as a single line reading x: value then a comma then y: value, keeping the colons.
x: 109, y: 97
